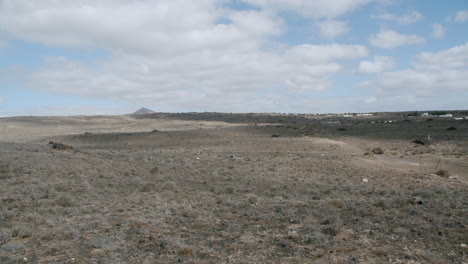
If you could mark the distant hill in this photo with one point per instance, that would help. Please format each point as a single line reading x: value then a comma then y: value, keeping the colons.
x: 144, y: 111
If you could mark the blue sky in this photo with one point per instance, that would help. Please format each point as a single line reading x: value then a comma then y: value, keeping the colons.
x: 112, y: 57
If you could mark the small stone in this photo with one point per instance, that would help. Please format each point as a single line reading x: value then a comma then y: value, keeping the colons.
x: 365, y: 180
x: 463, y: 246
x: 453, y: 177
x: 417, y: 200
x: 25, y: 259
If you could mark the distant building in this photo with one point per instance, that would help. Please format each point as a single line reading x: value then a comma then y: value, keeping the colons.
x: 447, y: 115
x: 425, y: 114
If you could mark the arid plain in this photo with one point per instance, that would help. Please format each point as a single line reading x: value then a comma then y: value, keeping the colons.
x: 233, y: 188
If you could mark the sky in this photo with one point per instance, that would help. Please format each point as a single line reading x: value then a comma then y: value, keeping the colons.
x: 87, y: 57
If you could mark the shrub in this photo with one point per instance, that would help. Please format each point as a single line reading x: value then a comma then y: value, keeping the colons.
x: 149, y: 187
x: 154, y: 170
x: 442, y: 172
x: 61, y: 146
x: 378, y: 151
x: 5, y: 235
x: 418, y: 141
x: 332, y: 226
x: 229, y: 189
x: 64, y: 200
x: 252, y: 198
x: 170, y: 186
x: 137, y: 181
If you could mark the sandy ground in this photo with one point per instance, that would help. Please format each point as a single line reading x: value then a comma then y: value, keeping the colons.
x: 160, y: 190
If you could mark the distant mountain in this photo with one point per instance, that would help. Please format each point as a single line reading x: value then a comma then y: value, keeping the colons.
x: 144, y: 111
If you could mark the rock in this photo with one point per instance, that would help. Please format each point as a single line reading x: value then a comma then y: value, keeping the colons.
x: 365, y: 180
x: 453, y: 177
x: 417, y: 200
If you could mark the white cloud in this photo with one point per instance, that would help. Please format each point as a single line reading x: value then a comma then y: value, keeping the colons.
x: 312, y: 9
x: 434, y: 74
x: 197, y: 79
x: 453, y: 58
x: 331, y: 29
x: 390, y: 39
x: 174, y: 53
x: 165, y: 26
x: 380, y: 64
x: 461, y: 16
x: 438, y: 31
x: 402, y: 20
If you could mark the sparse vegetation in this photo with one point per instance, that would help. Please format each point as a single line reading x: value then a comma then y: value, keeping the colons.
x: 233, y: 194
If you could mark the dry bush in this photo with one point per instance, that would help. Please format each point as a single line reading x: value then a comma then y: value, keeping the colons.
x: 378, y: 151
x: 154, y: 170
x: 442, y: 172
x: 5, y: 235
x: 148, y: 187
x: 332, y: 226
x: 64, y: 200
x: 252, y: 198
x: 229, y: 189
x: 61, y: 146
x: 336, y: 203
x: 170, y: 186
x: 22, y: 231
x: 104, y: 242
x: 418, y: 141
x: 137, y: 181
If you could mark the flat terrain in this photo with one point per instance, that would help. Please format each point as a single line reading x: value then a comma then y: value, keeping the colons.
x: 205, y: 188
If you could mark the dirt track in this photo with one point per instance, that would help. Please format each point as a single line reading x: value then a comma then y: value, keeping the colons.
x: 171, y: 191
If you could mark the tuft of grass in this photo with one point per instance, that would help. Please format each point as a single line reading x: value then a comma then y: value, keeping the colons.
x: 378, y: 151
